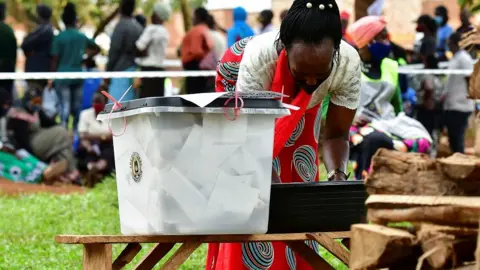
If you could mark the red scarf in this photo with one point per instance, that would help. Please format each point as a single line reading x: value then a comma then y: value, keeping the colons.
x: 284, y: 126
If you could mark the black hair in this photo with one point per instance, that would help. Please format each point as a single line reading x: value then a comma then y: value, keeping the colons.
x: 127, y: 7
x: 267, y: 16
x: 69, y: 15
x: 3, y: 9
x: 142, y: 20
x: 201, y: 15
x: 431, y: 62
x: 429, y: 22
x: 211, y: 22
x: 283, y: 14
x: 443, y: 11
x: 455, y: 38
x: 312, y: 22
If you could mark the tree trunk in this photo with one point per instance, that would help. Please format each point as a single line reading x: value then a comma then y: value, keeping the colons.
x: 187, y: 14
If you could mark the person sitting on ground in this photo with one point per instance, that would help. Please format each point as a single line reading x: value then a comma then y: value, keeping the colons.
x: 152, y: 47
x: 29, y: 128
x: 21, y: 166
x: 95, y: 153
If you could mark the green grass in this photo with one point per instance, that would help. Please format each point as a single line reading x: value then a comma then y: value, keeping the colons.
x: 28, y: 225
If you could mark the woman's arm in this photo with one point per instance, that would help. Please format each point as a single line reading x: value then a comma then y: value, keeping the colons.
x: 336, y: 147
x: 344, y: 99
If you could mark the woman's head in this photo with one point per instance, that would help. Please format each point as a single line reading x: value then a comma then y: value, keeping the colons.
x: 98, y: 102
x: 266, y: 17
x: 311, y: 33
x: 211, y: 23
x: 44, y: 12
x: 127, y: 7
x: 69, y: 15
x: 441, y: 15
x: 370, y: 36
x: 427, y: 25
x: 161, y: 13
x: 200, y: 15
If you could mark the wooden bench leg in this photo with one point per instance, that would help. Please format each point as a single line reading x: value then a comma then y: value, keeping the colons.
x: 97, y: 257
x: 314, y: 259
x: 181, y: 256
x: 127, y: 256
x: 332, y: 246
x: 154, y: 256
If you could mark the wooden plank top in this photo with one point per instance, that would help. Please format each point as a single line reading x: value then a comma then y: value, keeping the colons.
x: 120, y: 239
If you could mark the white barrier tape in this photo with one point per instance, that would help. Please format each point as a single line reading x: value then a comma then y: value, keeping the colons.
x: 466, y: 72
x: 104, y: 75
x: 173, y: 74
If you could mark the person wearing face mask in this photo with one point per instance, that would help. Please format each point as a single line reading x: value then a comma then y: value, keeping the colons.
x: 426, y: 25
x: 29, y: 128
x: 443, y: 33
x: 306, y: 61
x: 95, y: 153
x: 379, y: 120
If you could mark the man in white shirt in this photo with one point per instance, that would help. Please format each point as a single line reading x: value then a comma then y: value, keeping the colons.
x: 152, y: 46
x: 458, y: 107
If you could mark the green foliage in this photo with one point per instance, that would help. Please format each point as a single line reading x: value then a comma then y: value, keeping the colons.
x: 472, y: 5
x: 30, y: 223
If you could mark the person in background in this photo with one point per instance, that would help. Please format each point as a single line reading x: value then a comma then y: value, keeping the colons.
x: 142, y: 20
x: 67, y: 53
x: 266, y: 21
x: 443, y: 33
x: 196, y: 45
x: 219, y: 41
x: 429, y: 88
x: 8, y: 50
x: 283, y: 15
x: 95, y: 154
x: 466, y: 25
x: 37, y: 46
x: 379, y: 120
x: 428, y: 44
x: 30, y: 129
x: 458, y: 107
x: 240, y: 28
x: 121, y: 56
x: 152, y: 46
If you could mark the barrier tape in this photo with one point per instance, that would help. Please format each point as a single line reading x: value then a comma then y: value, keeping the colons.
x: 175, y: 74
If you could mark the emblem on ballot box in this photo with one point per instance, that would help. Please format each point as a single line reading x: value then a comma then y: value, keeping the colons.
x: 136, y: 166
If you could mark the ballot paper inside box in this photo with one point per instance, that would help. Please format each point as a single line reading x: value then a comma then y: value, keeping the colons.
x: 183, y: 167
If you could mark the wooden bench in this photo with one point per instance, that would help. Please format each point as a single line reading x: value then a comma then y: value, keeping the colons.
x: 97, y: 249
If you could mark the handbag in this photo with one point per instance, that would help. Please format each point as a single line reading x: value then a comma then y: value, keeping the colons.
x: 209, y: 62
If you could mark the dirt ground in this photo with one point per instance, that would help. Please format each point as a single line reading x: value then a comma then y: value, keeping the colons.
x: 11, y: 188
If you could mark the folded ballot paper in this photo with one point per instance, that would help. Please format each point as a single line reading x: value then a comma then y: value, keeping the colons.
x: 195, y: 173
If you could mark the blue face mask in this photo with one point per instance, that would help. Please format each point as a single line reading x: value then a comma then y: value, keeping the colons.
x: 379, y: 51
x: 439, y: 20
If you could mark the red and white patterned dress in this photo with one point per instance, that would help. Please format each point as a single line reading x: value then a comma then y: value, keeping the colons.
x: 297, y: 160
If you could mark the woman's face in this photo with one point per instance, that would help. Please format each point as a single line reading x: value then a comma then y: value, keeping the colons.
x: 311, y: 65
x: 378, y: 48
